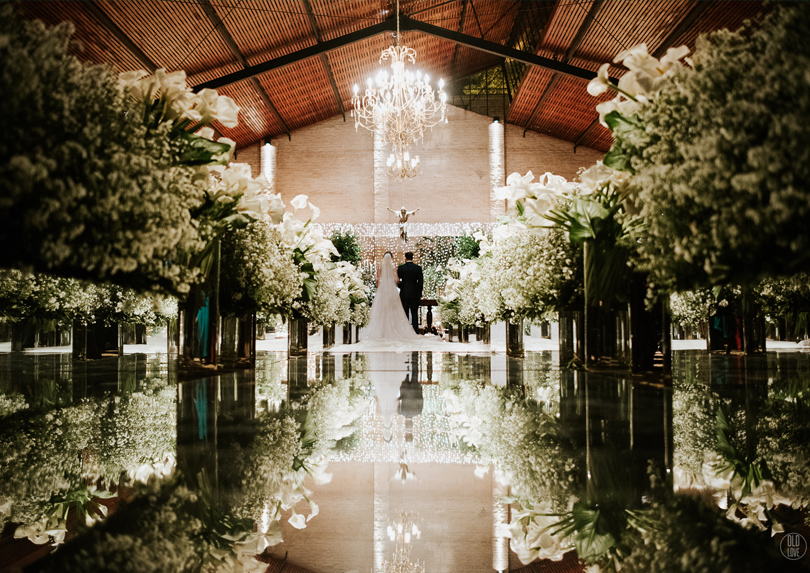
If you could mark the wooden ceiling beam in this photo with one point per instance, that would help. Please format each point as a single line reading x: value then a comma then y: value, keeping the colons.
x: 496, y: 49
x: 572, y: 49
x: 237, y: 53
x: 107, y: 23
x: 460, y: 28
x: 686, y: 22
x: 299, y: 55
x: 389, y: 25
x: 324, y: 59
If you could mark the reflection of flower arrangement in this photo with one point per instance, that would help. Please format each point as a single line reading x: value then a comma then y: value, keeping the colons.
x: 334, y: 408
x: 530, y: 536
x: 518, y: 437
x: 11, y: 403
x: 693, y: 425
x: 683, y: 534
x: 137, y: 428
x: 166, y: 527
x: 50, y: 457
x: 291, y: 445
x: 40, y: 456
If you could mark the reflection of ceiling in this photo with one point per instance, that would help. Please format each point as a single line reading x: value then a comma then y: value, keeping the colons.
x: 349, y: 533
x: 299, y: 59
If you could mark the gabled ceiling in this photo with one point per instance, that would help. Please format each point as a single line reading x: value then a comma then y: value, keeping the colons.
x: 291, y: 63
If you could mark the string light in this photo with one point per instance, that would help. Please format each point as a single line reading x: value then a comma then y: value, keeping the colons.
x: 432, y: 442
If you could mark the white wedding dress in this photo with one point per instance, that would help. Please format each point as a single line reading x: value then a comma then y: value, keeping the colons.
x: 388, y: 321
x: 389, y: 329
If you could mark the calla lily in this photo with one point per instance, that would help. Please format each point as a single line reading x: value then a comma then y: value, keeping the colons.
x: 601, y: 83
x: 314, y: 510
x: 212, y: 106
x: 481, y: 471
x: 297, y: 520
x: 300, y: 202
x: 207, y: 133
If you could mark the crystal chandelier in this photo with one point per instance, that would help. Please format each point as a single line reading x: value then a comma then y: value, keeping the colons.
x: 402, y: 530
x: 402, y: 165
x: 400, y: 106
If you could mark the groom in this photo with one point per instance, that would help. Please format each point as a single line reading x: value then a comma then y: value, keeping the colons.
x: 410, y: 288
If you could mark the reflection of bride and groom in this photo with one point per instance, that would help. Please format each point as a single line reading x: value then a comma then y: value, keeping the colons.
x: 398, y: 390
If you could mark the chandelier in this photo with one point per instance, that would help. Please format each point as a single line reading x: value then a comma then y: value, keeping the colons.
x: 400, y: 106
x: 402, y: 530
x: 402, y: 165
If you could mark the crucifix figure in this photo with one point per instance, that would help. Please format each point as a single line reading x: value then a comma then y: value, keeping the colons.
x: 403, y: 215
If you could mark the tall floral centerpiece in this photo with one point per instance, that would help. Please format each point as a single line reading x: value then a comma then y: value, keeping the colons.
x: 596, y: 213
x: 231, y: 197
x: 259, y: 277
x: 717, y: 152
x: 459, y: 305
x: 312, y: 253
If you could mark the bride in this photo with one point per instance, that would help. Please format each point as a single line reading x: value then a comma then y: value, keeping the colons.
x: 388, y: 320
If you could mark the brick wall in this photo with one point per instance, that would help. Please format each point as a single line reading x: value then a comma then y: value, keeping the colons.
x: 337, y: 169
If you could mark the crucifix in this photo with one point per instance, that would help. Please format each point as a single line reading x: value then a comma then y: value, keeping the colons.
x: 403, y: 215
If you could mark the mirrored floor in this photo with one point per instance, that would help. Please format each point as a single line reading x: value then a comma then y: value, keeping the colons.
x: 380, y: 461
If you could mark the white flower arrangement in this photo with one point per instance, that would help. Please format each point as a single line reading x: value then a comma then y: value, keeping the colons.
x: 258, y: 271
x: 312, y: 253
x: 459, y: 304
x: 357, y: 291
x: 719, y: 156
x: 330, y: 303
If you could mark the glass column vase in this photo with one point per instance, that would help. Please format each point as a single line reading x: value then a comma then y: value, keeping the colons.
x: 298, y: 328
x: 514, y: 338
x: 605, y: 266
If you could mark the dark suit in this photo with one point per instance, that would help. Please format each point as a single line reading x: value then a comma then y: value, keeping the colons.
x: 410, y: 290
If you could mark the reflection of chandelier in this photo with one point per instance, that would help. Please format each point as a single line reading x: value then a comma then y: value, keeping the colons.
x: 401, y: 530
x: 402, y: 165
x: 401, y: 106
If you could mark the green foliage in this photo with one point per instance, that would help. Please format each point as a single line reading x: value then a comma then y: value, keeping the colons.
x: 347, y: 245
x: 467, y: 247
